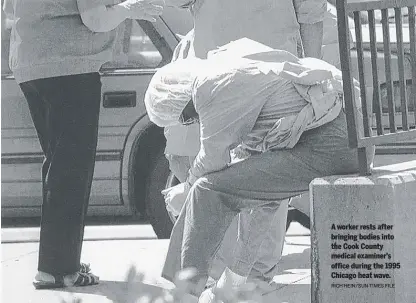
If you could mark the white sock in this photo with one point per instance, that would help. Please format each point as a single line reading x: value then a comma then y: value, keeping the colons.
x: 229, y: 277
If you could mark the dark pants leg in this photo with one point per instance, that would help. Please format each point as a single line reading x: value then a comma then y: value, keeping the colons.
x: 65, y: 113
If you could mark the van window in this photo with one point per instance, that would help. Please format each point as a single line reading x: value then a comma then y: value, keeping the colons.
x: 134, y: 49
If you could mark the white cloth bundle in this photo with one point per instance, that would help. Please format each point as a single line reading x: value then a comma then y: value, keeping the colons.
x: 170, y: 90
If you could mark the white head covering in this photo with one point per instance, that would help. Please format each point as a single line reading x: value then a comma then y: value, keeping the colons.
x: 169, y: 91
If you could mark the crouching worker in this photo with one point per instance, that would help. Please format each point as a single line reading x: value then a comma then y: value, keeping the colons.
x: 281, y: 110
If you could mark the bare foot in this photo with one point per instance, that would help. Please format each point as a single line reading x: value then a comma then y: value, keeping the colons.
x: 45, y: 277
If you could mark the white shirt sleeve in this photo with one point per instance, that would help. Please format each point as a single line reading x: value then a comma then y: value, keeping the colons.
x: 100, y: 16
x: 226, y: 116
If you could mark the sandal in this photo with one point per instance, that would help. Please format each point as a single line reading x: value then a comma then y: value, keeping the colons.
x: 84, y: 268
x: 85, y: 279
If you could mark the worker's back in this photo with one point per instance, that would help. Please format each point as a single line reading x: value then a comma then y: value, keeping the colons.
x: 270, y: 22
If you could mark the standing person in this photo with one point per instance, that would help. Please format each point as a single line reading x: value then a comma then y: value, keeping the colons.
x: 284, y: 25
x: 57, y: 48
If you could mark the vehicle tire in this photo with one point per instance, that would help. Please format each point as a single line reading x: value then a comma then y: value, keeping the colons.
x: 155, y: 203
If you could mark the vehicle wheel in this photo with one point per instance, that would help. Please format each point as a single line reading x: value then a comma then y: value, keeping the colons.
x: 295, y: 215
x: 155, y: 203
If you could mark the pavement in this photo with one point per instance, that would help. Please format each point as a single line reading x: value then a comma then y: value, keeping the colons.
x: 129, y: 260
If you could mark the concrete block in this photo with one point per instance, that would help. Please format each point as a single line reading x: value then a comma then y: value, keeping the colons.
x: 360, y: 221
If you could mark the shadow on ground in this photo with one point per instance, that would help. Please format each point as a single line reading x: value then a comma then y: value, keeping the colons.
x: 115, y: 291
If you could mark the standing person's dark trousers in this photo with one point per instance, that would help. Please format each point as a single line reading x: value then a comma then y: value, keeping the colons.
x: 65, y: 112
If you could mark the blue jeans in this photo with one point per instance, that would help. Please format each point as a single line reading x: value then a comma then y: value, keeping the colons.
x: 270, y: 252
x: 258, y: 183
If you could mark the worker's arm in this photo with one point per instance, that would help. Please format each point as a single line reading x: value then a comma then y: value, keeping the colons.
x: 225, y: 119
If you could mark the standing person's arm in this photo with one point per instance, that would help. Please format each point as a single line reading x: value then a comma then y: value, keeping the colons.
x: 310, y: 15
x: 103, y: 18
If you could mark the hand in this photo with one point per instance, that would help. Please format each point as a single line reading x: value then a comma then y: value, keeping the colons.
x: 175, y: 197
x: 143, y: 9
